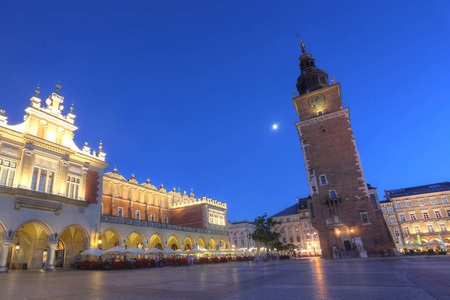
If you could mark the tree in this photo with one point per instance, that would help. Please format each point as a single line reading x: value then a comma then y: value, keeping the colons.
x: 263, y: 232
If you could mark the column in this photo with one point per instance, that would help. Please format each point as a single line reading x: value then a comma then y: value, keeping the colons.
x: 62, y: 176
x: 51, y: 256
x: 4, y: 256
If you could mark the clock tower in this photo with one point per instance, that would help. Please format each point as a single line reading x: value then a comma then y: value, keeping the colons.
x: 341, y: 209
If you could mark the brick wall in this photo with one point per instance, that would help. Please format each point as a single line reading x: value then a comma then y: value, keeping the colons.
x: 188, y: 216
x: 92, y: 179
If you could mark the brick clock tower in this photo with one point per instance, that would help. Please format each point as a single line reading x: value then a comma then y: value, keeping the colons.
x: 340, y: 206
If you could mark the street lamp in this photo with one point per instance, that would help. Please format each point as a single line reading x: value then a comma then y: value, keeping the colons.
x: 18, y: 245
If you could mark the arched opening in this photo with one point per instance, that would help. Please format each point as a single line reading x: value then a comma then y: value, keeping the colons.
x: 135, y: 239
x: 72, y: 240
x: 201, y: 243
x: 223, y: 244
x: 110, y: 238
x: 156, y: 241
x: 212, y: 244
x: 173, y: 242
x: 188, y: 243
x: 29, y: 249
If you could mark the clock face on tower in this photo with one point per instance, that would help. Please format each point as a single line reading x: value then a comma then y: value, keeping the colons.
x: 317, y: 101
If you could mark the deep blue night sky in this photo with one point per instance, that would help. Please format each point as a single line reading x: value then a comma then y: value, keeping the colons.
x: 186, y: 94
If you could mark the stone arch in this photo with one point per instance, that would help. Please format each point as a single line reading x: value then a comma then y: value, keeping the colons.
x: 174, y: 242
x: 31, y: 238
x: 188, y: 243
x: 74, y: 238
x: 201, y: 242
x: 156, y: 240
x: 110, y: 238
x: 224, y: 244
x: 135, y: 239
x: 212, y: 245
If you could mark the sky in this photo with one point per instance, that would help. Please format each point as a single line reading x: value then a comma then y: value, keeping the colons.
x: 186, y: 92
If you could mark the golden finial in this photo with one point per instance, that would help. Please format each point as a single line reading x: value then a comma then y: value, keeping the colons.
x: 334, y: 80
x: 100, y: 147
x: 58, y: 86
x: 295, y: 93
x: 302, y: 46
x: 148, y: 179
x: 72, y: 108
x: 37, y: 91
x: 115, y: 169
x: 2, y: 112
x: 85, y: 144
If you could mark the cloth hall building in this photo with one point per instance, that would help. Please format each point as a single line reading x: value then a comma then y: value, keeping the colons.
x: 56, y: 200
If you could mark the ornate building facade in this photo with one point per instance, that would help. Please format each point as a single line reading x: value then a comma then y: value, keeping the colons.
x: 239, y: 236
x: 56, y: 201
x: 340, y: 206
x: 419, y: 214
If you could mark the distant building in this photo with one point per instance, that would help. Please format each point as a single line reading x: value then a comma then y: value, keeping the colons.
x: 419, y: 214
x: 296, y: 228
x: 239, y: 235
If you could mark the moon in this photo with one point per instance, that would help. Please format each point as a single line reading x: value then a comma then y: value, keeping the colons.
x: 274, y: 126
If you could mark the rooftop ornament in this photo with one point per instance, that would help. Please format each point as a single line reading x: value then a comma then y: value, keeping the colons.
x: 58, y: 87
x: 72, y: 108
x: 37, y: 91
x: 302, y: 46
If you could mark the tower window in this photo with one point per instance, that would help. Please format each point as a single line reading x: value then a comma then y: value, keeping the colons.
x: 333, y: 195
x: 323, y: 179
x: 320, y: 112
x: 364, y: 217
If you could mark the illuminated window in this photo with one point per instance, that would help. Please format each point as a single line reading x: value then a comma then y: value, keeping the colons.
x: 433, y: 201
x: 7, y: 171
x: 425, y: 215
x: 296, y: 228
x: 416, y: 229
x: 42, y: 180
x: 406, y: 230
x: 72, y: 187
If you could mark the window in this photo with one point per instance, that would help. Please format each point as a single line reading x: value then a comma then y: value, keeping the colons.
x: 402, y: 218
x: 408, y: 204
x: 7, y: 169
x: 242, y: 242
x: 306, y: 224
x: 374, y: 201
x: 387, y: 220
x: 416, y: 229
x: 444, y: 200
x: 138, y: 215
x: 333, y: 195
x: 390, y: 210
x: 336, y: 220
x: 288, y: 220
x: 364, y: 217
x: 314, y: 188
x: 152, y: 218
x: 72, y: 187
x: 242, y: 233
x: 120, y: 212
x: 42, y: 180
x: 166, y: 219
x: 396, y: 233
x: 235, y: 242
x: 433, y: 201
x: 311, y: 209
x: 406, y: 230
x: 398, y: 205
x: 430, y: 228
x: 291, y: 239
x: 448, y: 213
x: 289, y: 230
x: 234, y: 233
x: 329, y: 221
x: 413, y: 216
x: 211, y: 218
x: 383, y: 210
x: 393, y: 220
x: 438, y: 214
x: 298, y: 239
x: 284, y: 240
x: 425, y: 215
x: 443, y: 228
x: 319, y: 113
x: 421, y: 203
x: 323, y: 180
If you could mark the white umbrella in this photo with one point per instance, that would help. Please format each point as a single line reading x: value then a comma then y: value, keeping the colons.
x: 116, y: 250
x: 196, y: 251
x: 169, y: 251
x: 153, y: 251
x: 134, y: 251
x: 213, y: 251
x: 92, y: 251
x: 179, y: 251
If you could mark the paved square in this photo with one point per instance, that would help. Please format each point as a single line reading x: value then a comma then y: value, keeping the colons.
x: 389, y: 278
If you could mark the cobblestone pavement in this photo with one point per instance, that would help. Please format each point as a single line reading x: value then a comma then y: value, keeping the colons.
x: 389, y: 278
